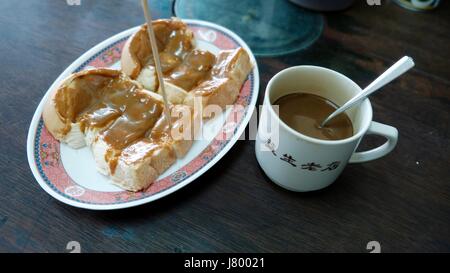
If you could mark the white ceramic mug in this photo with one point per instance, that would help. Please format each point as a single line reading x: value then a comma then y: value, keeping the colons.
x: 301, y: 163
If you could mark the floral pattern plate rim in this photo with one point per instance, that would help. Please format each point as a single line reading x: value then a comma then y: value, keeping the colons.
x: 53, y: 167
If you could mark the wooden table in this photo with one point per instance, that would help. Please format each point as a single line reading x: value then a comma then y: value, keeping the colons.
x: 402, y: 201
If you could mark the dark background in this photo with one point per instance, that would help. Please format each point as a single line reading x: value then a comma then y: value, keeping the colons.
x: 402, y: 200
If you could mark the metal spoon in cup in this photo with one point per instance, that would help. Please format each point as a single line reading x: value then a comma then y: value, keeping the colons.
x: 400, y: 67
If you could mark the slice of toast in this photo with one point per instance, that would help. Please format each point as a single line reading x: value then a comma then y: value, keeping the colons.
x: 225, y: 81
x: 174, y: 41
x: 66, y: 101
x: 143, y: 161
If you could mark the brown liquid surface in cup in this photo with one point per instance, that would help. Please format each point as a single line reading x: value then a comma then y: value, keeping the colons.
x: 304, y: 112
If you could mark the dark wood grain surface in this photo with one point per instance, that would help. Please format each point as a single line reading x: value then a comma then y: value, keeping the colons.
x: 402, y: 200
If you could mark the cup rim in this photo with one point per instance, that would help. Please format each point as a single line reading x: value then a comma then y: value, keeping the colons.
x: 354, y: 137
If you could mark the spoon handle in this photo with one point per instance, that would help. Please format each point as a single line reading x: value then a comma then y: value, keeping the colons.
x: 400, y: 67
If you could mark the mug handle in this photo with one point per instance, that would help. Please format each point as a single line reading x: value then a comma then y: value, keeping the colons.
x: 376, y: 128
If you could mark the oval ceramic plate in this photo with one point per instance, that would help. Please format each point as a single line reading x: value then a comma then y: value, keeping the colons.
x: 70, y: 175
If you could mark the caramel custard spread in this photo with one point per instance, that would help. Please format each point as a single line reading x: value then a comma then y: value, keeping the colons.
x: 173, y: 39
x: 77, y: 96
x: 195, y: 68
x: 116, y: 106
x: 181, y: 64
x: 219, y: 73
x: 156, y: 140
